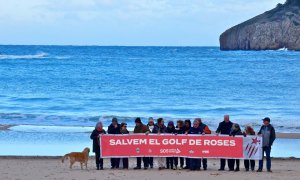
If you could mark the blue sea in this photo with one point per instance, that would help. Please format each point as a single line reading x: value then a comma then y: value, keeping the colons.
x: 67, y: 89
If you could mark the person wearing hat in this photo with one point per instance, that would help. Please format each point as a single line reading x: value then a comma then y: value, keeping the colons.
x: 170, y: 160
x: 267, y: 131
x: 235, y: 131
x: 151, y: 126
x: 96, y: 147
x: 224, y: 128
x: 141, y: 128
x: 124, y: 131
x: 114, y: 128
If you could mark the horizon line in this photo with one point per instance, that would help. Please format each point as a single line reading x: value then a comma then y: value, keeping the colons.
x: 94, y: 45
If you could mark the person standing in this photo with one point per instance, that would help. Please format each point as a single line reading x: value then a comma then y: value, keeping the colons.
x: 267, y: 131
x: 195, y: 130
x: 160, y: 128
x: 141, y: 128
x: 180, y: 129
x: 124, y: 131
x: 224, y: 128
x: 114, y: 128
x: 205, y: 130
x: 151, y: 126
x: 97, y: 132
x: 249, y: 131
x: 170, y: 160
x: 187, y: 125
x: 235, y: 131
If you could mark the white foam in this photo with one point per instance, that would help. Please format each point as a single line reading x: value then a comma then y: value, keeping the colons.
x: 40, y: 55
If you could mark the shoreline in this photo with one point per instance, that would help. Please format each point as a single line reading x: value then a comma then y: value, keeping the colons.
x: 280, y: 135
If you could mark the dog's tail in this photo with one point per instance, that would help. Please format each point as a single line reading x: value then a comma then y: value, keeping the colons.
x: 64, y: 157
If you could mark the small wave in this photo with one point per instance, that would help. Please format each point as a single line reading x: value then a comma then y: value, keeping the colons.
x: 40, y: 55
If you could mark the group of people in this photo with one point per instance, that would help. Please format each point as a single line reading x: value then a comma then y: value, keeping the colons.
x: 225, y: 127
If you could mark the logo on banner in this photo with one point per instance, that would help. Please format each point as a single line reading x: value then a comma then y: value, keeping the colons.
x: 252, y: 147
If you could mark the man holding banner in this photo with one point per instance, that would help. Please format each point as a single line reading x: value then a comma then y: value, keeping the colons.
x: 140, y: 128
x: 225, y: 128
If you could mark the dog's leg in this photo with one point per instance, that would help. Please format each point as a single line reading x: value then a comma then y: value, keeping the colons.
x: 81, y: 165
x: 71, y: 163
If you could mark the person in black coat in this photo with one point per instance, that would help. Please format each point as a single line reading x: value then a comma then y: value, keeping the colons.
x: 235, y: 131
x: 224, y: 128
x: 180, y: 129
x: 114, y: 128
x: 170, y: 160
x: 96, y: 147
x: 124, y: 131
x: 187, y: 125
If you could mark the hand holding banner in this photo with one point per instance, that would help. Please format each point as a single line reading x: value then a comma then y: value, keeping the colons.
x: 137, y: 145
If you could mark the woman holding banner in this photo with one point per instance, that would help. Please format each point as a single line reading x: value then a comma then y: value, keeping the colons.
x: 160, y: 128
x: 187, y: 125
x: 151, y: 126
x: 180, y: 129
x: 124, y: 131
x: 96, y: 147
x: 235, y: 131
x: 249, y: 131
x: 205, y: 130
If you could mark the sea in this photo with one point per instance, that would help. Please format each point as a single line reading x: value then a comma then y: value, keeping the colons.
x: 56, y: 94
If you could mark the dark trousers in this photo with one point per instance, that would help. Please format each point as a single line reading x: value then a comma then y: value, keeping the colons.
x: 187, y: 162
x: 195, y: 164
x: 204, y: 163
x: 237, y: 164
x: 150, y: 161
x: 170, y: 162
x: 115, y: 162
x: 181, y: 161
x: 249, y: 162
x: 231, y: 163
x: 99, y: 161
x: 139, y: 162
x: 125, y: 163
x: 223, y: 163
x: 266, y: 150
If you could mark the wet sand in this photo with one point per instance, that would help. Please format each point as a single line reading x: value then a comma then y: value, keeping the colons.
x: 31, y: 168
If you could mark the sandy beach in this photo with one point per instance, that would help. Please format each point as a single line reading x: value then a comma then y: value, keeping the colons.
x: 31, y: 168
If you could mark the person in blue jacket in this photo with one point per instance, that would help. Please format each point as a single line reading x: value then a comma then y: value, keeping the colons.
x: 195, y: 163
x: 114, y: 128
x: 96, y: 147
x: 267, y: 131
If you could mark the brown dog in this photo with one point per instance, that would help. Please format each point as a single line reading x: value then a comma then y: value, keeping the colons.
x: 81, y: 157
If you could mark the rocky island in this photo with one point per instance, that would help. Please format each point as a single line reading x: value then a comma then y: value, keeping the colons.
x: 272, y: 30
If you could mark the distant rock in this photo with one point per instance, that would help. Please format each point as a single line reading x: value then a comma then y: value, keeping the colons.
x: 272, y: 30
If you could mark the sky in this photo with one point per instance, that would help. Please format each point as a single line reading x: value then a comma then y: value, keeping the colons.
x: 123, y: 22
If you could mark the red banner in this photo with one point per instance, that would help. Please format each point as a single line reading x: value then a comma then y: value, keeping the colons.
x: 138, y: 145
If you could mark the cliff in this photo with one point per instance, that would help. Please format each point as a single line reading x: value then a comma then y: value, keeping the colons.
x: 274, y: 29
